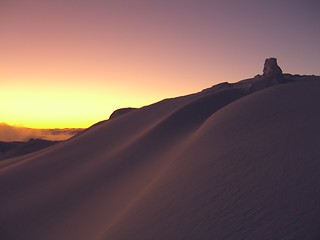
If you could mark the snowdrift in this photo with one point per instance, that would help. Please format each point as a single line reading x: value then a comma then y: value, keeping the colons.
x: 224, y: 163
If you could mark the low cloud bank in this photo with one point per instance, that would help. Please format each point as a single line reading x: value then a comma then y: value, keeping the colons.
x: 10, y: 133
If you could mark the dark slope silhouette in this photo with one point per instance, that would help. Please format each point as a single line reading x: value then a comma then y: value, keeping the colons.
x: 235, y: 161
x: 14, y: 149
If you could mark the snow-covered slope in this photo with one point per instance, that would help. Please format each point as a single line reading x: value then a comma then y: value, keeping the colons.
x: 225, y: 163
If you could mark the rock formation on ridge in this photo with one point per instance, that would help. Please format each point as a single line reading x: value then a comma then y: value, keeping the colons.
x: 120, y: 112
x: 271, y: 68
x: 272, y: 75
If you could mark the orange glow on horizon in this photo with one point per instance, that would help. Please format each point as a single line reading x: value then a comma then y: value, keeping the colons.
x: 63, y: 104
x: 70, y: 64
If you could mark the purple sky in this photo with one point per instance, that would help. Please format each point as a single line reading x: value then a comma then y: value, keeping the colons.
x: 139, y: 52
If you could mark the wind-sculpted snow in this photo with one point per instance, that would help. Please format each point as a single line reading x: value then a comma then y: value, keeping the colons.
x: 224, y: 163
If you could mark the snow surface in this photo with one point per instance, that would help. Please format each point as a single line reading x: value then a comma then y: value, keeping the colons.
x: 219, y: 164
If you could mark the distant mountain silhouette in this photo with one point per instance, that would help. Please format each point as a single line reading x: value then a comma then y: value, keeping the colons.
x: 14, y: 149
x: 10, y: 133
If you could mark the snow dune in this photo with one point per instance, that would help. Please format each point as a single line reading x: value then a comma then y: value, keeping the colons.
x: 218, y: 164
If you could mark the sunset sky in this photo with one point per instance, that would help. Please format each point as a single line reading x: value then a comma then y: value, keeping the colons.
x: 71, y: 63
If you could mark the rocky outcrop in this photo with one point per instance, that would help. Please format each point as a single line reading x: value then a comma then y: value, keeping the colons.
x: 271, y: 68
x: 272, y: 75
x: 120, y: 112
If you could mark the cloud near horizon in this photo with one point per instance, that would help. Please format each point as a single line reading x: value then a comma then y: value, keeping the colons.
x: 10, y: 133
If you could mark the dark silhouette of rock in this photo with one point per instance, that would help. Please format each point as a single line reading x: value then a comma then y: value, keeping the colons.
x: 272, y: 75
x: 120, y: 112
x: 271, y: 68
x: 272, y: 72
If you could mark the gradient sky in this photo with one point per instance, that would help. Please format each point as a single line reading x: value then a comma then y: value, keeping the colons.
x: 70, y: 63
